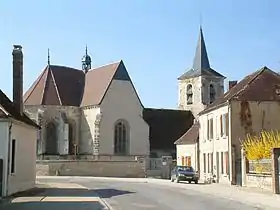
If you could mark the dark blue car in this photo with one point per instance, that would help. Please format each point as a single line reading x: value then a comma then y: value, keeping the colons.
x: 184, y: 173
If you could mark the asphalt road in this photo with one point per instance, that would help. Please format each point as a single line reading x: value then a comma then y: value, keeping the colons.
x: 146, y: 196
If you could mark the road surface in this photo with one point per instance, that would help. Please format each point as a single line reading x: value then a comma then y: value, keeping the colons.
x: 122, y: 195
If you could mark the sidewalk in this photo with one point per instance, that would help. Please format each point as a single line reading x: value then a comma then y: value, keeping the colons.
x: 56, y: 196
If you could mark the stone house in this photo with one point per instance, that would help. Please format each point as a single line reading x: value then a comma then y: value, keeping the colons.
x: 249, y: 106
x: 198, y: 87
x: 187, y: 147
x: 18, y: 134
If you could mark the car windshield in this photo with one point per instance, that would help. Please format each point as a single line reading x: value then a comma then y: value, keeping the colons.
x: 185, y: 168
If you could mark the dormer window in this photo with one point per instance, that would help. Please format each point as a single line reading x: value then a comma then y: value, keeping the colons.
x: 189, y: 94
x: 212, y: 93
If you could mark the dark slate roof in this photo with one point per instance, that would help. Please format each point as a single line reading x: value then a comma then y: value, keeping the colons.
x: 190, y: 137
x: 258, y: 86
x: 60, y: 85
x: 12, y: 112
x: 201, y: 65
x: 166, y: 126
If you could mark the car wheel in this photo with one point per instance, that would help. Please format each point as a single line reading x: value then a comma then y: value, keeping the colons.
x: 177, y: 180
x: 190, y: 182
x: 196, y: 181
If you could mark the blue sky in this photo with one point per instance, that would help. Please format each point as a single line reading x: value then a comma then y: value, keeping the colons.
x: 155, y: 38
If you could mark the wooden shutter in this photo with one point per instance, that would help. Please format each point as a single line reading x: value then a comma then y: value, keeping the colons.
x: 183, y: 160
x: 227, y: 122
x: 227, y: 168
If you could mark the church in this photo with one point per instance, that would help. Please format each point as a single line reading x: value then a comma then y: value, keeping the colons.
x: 96, y: 113
x: 87, y: 112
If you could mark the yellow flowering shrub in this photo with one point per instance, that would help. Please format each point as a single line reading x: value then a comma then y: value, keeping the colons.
x: 259, y: 146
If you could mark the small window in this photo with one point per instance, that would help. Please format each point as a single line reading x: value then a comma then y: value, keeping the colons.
x: 189, y: 94
x: 210, y: 129
x: 212, y: 94
x: 13, y: 160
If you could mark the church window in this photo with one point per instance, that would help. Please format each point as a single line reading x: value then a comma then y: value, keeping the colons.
x: 189, y: 94
x: 212, y: 93
x: 121, y: 137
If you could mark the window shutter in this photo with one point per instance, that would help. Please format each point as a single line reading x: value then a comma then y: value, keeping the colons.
x: 227, y: 124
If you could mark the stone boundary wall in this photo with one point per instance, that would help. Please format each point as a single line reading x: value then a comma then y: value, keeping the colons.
x: 131, y: 169
x: 259, y: 181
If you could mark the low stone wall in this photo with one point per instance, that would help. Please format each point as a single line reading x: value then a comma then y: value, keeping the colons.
x: 259, y: 180
x: 133, y: 169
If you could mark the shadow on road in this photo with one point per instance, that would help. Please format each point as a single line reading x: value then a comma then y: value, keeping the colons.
x: 54, y: 205
x: 108, y: 193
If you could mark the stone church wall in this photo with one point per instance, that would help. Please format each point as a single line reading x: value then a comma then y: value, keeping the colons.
x: 133, y: 169
x: 89, y: 141
x: 45, y: 114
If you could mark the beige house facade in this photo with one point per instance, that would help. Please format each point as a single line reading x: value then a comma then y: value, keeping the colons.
x: 249, y: 106
x: 18, y: 135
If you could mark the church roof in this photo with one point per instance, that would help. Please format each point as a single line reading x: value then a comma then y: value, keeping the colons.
x: 201, y: 64
x: 61, y: 85
x: 262, y: 85
x: 11, y: 111
x: 166, y: 126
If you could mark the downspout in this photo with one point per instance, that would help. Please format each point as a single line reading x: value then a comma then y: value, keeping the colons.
x: 229, y: 159
x: 9, y: 158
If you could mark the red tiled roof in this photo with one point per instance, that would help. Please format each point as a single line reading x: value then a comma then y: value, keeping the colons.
x: 258, y: 86
x: 60, y: 85
x: 190, y: 137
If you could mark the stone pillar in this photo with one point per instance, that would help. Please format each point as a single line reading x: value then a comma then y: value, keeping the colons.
x: 96, y: 135
x: 243, y: 167
x: 275, y: 170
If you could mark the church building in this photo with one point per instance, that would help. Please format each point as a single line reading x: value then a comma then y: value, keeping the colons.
x: 90, y: 112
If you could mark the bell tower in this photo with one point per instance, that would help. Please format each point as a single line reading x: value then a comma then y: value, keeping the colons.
x: 201, y: 85
x: 86, y: 62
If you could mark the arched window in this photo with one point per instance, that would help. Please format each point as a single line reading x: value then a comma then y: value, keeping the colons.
x: 121, y: 138
x: 189, y: 94
x: 212, y: 93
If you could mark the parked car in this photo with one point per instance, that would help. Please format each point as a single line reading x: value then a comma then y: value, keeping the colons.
x: 184, y: 173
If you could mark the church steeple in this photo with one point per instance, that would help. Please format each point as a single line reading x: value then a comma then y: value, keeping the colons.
x: 49, y: 60
x: 201, y: 61
x: 86, y: 62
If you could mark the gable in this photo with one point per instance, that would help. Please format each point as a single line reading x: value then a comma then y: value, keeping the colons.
x: 121, y: 74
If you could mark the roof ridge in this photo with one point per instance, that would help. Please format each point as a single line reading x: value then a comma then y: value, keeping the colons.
x: 35, y: 85
x: 97, y: 67
x: 55, y: 86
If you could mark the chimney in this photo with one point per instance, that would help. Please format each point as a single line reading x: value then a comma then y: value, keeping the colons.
x: 231, y: 84
x: 18, y: 78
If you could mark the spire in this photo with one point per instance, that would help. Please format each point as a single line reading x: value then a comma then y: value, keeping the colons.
x: 201, y: 61
x: 49, y: 61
